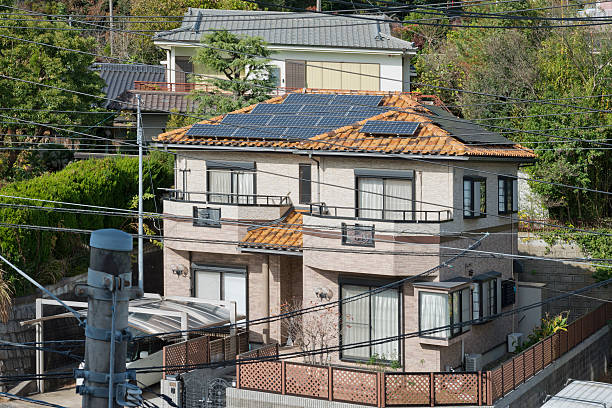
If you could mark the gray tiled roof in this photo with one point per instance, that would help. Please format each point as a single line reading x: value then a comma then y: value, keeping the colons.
x: 297, y: 29
x: 120, y: 77
x: 154, y: 101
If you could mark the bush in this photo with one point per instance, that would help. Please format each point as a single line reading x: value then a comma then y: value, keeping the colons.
x: 48, y: 255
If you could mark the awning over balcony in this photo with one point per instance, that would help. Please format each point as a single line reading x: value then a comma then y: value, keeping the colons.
x: 284, y: 234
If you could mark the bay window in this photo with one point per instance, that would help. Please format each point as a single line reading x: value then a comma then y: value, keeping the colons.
x: 507, y: 193
x: 372, y: 317
x: 231, y: 182
x: 439, y: 309
x: 474, y: 197
x: 384, y: 195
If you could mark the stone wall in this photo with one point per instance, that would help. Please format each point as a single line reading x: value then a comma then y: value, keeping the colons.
x: 559, y: 277
x: 587, y: 361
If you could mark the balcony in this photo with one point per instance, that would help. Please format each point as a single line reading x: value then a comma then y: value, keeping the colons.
x: 232, y: 206
x: 374, y: 214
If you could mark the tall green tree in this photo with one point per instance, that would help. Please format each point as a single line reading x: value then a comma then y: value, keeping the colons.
x: 47, y: 69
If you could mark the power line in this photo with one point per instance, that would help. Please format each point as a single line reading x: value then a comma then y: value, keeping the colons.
x: 30, y: 400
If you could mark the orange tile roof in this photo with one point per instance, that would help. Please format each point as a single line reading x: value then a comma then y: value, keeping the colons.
x: 283, y: 234
x: 430, y: 139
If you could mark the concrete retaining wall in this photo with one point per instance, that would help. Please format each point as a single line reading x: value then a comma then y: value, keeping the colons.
x: 587, y: 361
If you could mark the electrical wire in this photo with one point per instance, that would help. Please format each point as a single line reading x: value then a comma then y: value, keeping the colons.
x: 30, y: 400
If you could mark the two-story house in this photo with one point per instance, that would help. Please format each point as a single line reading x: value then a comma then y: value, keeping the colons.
x: 320, y: 196
x: 309, y: 49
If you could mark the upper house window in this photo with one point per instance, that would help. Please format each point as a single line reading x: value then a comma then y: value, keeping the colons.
x: 474, y: 197
x: 231, y: 182
x: 507, y: 192
x: 385, y: 194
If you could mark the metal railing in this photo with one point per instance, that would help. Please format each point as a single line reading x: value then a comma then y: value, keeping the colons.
x: 377, y: 214
x: 211, y: 197
x: 185, y: 87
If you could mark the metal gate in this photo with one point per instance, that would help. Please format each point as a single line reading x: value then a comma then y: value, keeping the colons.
x: 201, y: 389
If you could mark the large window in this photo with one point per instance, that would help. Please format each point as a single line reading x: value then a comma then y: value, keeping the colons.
x: 486, y: 298
x: 305, y: 184
x: 444, y: 309
x: 343, y: 75
x: 474, y: 197
x: 507, y: 192
x: 370, y: 318
x: 385, y: 198
x: 227, y: 184
x: 221, y: 283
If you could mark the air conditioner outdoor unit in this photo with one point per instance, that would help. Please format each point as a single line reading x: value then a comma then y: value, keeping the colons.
x: 473, y: 362
x: 514, y: 340
x: 172, y: 387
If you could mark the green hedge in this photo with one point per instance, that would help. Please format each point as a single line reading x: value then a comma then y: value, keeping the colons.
x: 47, y: 255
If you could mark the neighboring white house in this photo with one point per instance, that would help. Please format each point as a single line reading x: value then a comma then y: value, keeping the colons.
x: 310, y: 50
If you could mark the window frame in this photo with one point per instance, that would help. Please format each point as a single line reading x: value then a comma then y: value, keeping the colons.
x: 205, y: 222
x: 222, y: 270
x: 385, y: 175
x: 369, y: 284
x: 234, y: 197
x: 483, y: 203
x: 302, y: 184
x: 493, y: 306
x: 508, y: 286
x: 510, y: 186
x: 451, y: 317
x: 345, y: 227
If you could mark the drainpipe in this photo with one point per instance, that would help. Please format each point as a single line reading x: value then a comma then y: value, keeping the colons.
x: 265, y: 270
x: 318, y: 176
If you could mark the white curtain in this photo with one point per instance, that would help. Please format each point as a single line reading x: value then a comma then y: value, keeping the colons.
x: 245, y: 183
x: 398, y: 199
x: 434, y: 312
x: 234, y: 288
x: 355, y: 321
x: 220, y: 182
x: 385, y: 321
x: 208, y: 285
x: 476, y: 302
x: 370, y: 198
x: 467, y: 197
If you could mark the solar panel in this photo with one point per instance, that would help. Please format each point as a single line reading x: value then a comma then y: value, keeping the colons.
x: 363, y: 100
x: 293, y: 121
x: 317, y: 99
x: 299, y: 132
x: 211, y: 130
x: 246, y: 119
x: 307, y: 108
x: 383, y: 127
x: 259, y: 133
x: 364, y: 111
x: 334, y: 122
x: 274, y: 108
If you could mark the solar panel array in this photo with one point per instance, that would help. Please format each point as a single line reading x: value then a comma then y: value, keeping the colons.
x: 299, y: 116
x: 384, y: 127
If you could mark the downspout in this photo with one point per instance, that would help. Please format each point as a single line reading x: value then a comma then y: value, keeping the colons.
x: 265, y: 270
x: 318, y: 176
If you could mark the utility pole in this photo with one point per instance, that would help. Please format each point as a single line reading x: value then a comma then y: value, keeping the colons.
x: 140, y: 226
x: 110, y: 12
x: 109, y: 289
x: 318, y: 5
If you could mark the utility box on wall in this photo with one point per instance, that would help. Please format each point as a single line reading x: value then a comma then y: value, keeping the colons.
x: 171, y: 387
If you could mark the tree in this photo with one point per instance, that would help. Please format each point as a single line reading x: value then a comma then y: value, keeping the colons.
x: 244, y: 76
x: 142, y: 48
x: 48, y: 69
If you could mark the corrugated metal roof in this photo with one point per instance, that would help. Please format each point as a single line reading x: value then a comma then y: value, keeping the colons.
x: 120, y: 77
x: 299, y: 29
x: 582, y: 394
x: 154, y: 101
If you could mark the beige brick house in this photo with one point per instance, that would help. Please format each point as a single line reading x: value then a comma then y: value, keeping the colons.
x: 322, y: 196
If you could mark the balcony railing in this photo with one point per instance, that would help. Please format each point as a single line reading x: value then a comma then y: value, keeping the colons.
x: 376, y: 214
x: 211, y: 197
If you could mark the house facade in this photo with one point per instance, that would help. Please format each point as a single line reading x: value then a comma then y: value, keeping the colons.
x: 309, y: 49
x: 379, y: 187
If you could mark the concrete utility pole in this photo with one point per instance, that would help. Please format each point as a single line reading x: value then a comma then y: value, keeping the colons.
x: 109, y: 289
x: 318, y: 5
x: 140, y: 227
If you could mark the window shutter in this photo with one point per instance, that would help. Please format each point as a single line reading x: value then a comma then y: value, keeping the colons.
x: 515, y: 197
x: 295, y: 73
x: 467, y: 198
x: 476, y: 195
